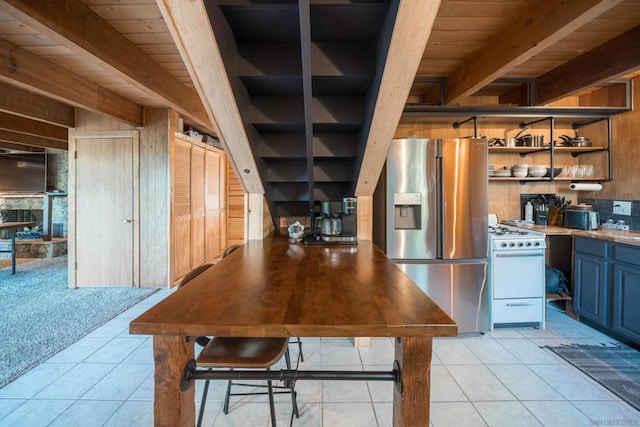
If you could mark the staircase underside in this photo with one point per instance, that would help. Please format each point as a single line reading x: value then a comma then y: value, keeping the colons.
x: 305, y: 77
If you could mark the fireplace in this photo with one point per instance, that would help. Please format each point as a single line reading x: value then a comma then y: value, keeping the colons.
x: 23, y: 215
x: 47, y: 211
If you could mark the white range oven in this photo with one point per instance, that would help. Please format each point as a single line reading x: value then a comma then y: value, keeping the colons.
x: 516, y: 276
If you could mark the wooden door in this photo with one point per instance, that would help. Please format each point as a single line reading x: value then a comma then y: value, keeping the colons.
x: 213, y: 245
x: 197, y: 206
x: 181, y: 212
x: 106, y: 217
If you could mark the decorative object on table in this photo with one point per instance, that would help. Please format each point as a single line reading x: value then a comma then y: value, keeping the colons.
x: 616, y: 367
x: 296, y: 231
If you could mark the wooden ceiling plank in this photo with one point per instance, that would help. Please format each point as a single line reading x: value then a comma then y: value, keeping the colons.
x: 192, y: 33
x: 28, y: 104
x: 19, y: 147
x: 615, y: 58
x: 411, y: 31
x: 544, y: 24
x: 75, y: 25
x: 27, y: 126
x: 28, y: 71
x: 31, y: 140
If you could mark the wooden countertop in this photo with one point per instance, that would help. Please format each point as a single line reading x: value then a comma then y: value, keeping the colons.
x: 611, y: 235
x: 275, y: 288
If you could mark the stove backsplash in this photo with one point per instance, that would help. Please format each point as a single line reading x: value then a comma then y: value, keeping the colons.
x: 605, y: 208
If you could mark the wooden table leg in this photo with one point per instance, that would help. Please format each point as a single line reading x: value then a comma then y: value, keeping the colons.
x: 172, y: 406
x: 411, y: 407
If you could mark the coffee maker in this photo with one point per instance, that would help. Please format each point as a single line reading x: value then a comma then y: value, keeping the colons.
x: 337, y: 223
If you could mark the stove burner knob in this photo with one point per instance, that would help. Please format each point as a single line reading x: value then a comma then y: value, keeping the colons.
x: 520, y: 244
x: 503, y: 244
x: 536, y: 244
x: 512, y: 245
x: 528, y: 244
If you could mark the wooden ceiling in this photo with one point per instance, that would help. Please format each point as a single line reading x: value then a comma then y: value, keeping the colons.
x: 117, y: 57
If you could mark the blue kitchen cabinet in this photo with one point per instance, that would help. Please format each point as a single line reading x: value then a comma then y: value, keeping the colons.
x: 626, y: 291
x: 591, y: 293
x: 590, y: 287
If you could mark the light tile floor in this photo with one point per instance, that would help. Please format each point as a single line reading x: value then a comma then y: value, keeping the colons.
x: 503, y: 378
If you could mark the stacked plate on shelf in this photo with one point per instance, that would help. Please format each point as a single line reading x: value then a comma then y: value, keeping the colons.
x: 503, y: 173
x: 491, y: 169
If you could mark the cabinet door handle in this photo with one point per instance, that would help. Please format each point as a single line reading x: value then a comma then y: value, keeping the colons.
x: 519, y: 304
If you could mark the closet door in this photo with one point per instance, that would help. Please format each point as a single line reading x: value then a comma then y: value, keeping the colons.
x: 181, y: 211
x: 213, y: 241
x: 197, y: 206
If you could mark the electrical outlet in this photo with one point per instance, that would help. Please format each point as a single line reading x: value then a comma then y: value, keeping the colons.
x: 621, y: 208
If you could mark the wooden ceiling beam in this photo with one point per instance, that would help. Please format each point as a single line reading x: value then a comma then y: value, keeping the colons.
x: 189, y: 25
x: 75, y: 26
x: 610, y: 60
x: 21, y: 68
x: 31, y: 140
x: 545, y: 23
x: 19, y: 147
x: 24, y: 103
x: 411, y: 31
x: 26, y: 126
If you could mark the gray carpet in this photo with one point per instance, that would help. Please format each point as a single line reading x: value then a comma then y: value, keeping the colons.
x: 616, y: 368
x: 39, y: 315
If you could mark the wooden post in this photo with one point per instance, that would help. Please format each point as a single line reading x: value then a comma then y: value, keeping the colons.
x: 411, y: 407
x: 172, y: 406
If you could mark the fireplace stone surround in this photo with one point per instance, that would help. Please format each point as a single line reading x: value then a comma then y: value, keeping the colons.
x: 48, y: 211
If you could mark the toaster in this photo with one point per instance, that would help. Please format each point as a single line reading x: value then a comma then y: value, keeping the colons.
x: 581, y: 219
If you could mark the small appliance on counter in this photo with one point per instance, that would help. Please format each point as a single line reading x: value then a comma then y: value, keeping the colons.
x: 337, y: 224
x: 582, y: 217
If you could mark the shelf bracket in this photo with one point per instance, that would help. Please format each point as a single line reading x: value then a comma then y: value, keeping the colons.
x: 456, y: 125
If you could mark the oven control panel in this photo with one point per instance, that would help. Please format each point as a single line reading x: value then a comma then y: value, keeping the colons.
x: 516, y: 244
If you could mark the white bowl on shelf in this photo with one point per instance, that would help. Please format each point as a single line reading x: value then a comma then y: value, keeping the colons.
x: 538, y: 173
x: 519, y: 173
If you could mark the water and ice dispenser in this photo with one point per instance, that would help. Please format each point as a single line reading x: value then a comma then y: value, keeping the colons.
x: 407, y: 211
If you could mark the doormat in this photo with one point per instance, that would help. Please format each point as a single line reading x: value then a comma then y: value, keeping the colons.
x: 40, y: 315
x: 616, y: 368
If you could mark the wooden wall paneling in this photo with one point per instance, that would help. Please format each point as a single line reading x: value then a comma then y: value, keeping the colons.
x: 155, y: 198
x: 632, y: 154
x: 181, y: 206
x: 197, y: 206
x: 365, y: 217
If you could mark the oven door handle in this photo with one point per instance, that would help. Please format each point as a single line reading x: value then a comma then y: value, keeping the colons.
x: 511, y: 255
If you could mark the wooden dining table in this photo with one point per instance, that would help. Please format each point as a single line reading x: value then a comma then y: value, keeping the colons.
x: 274, y: 288
x: 13, y: 228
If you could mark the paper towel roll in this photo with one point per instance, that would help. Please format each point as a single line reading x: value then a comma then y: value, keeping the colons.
x: 585, y: 187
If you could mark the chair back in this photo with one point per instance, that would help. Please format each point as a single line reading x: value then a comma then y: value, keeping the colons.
x: 193, y: 274
x: 230, y: 249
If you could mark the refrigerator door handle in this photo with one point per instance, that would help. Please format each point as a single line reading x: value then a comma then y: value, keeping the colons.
x: 439, y: 206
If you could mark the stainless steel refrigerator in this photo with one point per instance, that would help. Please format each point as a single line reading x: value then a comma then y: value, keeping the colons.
x: 436, y: 222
